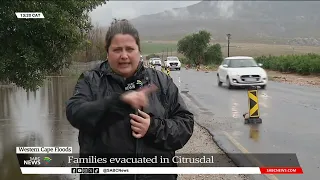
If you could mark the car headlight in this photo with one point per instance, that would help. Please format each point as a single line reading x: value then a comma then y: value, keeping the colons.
x: 263, y: 74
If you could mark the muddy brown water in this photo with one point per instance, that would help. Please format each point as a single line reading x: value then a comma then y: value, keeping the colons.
x: 34, y: 119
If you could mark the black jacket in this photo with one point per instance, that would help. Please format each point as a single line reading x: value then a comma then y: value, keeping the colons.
x: 103, y: 119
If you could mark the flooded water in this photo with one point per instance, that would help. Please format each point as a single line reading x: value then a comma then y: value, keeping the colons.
x: 34, y: 119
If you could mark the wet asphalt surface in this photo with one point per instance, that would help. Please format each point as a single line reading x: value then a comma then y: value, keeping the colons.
x: 290, y: 115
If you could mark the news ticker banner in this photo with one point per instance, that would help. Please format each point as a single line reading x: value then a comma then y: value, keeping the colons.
x: 61, y: 160
x: 161, y: 170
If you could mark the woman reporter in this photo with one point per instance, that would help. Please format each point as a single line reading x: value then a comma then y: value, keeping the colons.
x: 123, y: 107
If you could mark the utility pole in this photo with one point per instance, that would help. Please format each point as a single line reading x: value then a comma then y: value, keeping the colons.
x: 228, y: 38
x: 162, y: 55
x: 167, y: 52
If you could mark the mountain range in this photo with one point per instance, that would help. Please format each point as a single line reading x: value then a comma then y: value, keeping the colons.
x: 246, y: 21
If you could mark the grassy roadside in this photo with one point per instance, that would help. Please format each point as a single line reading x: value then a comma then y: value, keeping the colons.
x: 165, y: 48
x: 210, y: 67
x: 236, y: 49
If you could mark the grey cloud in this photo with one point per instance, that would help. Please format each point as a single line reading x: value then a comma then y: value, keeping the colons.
x: 103, y: 15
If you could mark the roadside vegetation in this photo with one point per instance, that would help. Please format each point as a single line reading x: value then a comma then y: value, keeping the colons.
x: 304, y: 64
x: 35, y: 48
x: 151, y: 48
x: 196, y: 49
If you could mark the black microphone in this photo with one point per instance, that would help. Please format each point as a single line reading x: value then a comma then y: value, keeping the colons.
x: 130, y: 86
x: 139, y: 84
x: 136, y: 83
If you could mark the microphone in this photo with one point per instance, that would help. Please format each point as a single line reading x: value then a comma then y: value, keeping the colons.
x: 139, y: 84
x: 136, y: 84
x: 130, y: 86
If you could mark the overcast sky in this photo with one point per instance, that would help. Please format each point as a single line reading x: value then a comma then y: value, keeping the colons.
x: 103, y: 15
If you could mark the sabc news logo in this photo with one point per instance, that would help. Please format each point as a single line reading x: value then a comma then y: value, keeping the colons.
x: 47, y: 160
x: 33, y: 161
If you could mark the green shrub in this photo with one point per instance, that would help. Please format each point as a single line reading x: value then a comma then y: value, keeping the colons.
x: 213, y: 55
x: 303, y: 64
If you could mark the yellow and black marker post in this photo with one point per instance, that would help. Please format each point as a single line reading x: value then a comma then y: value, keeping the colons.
x: 206, y: 68
x: 198, y: 67
x: 163, y: 69
x: 168, y: 71
x: 254, y: 113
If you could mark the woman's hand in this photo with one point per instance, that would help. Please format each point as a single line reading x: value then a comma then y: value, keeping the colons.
x: 139, y: 124
x: 138, y: 99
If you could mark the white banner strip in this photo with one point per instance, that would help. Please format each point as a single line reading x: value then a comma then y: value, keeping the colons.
x: 44, y: 150
x: 141, y: 170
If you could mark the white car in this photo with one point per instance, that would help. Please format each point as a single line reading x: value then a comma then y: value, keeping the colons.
x: 172, y: 62
x: 241, y: 71
x: 156, y: 61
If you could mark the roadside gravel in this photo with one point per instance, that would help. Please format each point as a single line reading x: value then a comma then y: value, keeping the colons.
x: 290, y: 78
x: 202, y: 142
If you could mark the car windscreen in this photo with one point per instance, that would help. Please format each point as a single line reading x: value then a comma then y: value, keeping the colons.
x: 239, y: 63
x: 172, y: 59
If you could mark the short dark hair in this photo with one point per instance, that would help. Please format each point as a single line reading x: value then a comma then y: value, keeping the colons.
x: 122, y: 26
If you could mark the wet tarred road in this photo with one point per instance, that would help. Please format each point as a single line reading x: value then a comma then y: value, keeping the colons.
x: 290, y: 115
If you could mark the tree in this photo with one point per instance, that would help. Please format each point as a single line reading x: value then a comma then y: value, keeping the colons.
x: 194, y: 46
x: 33, y: 48
x: 213, y: 55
